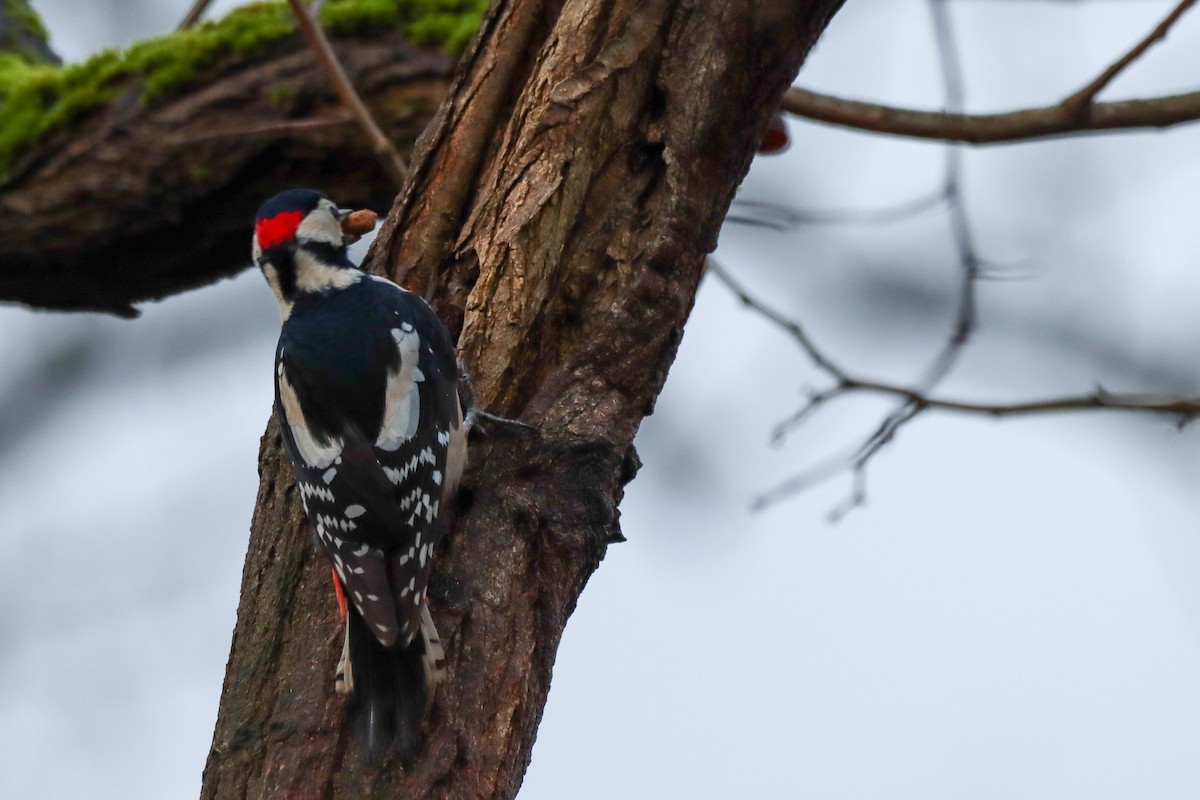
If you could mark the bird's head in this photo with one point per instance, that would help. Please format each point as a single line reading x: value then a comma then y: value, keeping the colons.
x: 300, y: 246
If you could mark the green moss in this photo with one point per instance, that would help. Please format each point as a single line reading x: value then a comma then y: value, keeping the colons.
x: 21, y: 12
x: 22, y: 32
x: 36, y: 100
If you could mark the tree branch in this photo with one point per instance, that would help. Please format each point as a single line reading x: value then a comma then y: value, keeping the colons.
x: 1012, y: 126
x: 1184, y: 409
x: 171, y: 182
x: 1076, y: 114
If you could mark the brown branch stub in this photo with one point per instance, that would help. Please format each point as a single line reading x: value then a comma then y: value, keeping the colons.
x: 1012, y: 126
x: 381, y: 145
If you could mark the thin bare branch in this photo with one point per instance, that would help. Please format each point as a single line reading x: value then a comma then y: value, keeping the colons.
x: 194, y: 14
x: 781, y: 218
x: 792, y: 328
x: 383, y: 148
x: 1075, y: 114
x: 1100, y: 399
x: 1183, y: 409
x: 280, y: 127
x: 1078, y: 103
x: 1011, y: 126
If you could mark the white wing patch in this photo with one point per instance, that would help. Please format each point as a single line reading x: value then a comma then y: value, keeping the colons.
x: 313, y: 452
x: 402, y: 403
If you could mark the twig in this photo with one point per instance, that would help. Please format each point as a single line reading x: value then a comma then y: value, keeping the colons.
x: 1075, y: 113
x: 282, y: 126
x: 1012, y: 126
x: 781, y: 218
x: 1078, y: 103
x: 193, y: 15
x: 969, y: 263
x: 792, y: 328
x: 1100, y: 399
x: 1184, y: 409
x: 388, y: 157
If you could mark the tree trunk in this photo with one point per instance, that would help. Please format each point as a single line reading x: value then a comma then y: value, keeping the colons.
x: 561, y: 206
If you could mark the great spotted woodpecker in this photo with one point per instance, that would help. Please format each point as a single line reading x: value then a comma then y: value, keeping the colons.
x: 366, y: 394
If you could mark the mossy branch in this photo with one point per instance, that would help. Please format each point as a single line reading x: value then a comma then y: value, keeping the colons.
x: 131, y: 176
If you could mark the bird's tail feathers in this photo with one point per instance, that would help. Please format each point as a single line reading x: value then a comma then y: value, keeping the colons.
x: 391, y: 689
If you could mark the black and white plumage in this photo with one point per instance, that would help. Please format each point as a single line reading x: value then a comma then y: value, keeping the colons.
x: 366, y: 397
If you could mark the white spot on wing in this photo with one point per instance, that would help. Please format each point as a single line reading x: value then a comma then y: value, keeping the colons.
x: 355, y: 511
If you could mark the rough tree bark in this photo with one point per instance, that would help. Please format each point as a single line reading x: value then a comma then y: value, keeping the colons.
x: 561, y: 206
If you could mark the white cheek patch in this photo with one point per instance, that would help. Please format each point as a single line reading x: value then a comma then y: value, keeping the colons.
x: 314, y: 275
x: 320, y: 225
x: 313, y: 452
x: 402, y: 401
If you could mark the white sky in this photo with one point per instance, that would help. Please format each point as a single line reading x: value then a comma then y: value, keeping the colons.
x: 1013, y: 614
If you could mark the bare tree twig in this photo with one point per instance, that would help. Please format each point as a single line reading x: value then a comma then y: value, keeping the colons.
x: 383, y: 148
x: 1078, y: 104
x: 781, y: 218
x: 1100, y: 399
x: 1076, y: 113
x: 969, y: 263
x: 794, y: 329
x: 1012, y: 126
x: 193, y: 15
x: 1183, y: 408
x: 282, y: 126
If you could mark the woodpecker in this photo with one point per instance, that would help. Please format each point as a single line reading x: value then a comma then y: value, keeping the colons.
x: 366, y: 395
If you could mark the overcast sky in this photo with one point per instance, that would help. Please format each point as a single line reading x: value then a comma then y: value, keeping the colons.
x: 1014, y: 613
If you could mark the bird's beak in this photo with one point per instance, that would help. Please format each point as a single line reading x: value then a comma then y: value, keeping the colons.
x: 348, y: 236
x: 356, y: 224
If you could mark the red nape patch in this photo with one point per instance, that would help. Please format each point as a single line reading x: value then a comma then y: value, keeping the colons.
x: 277, y: 229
